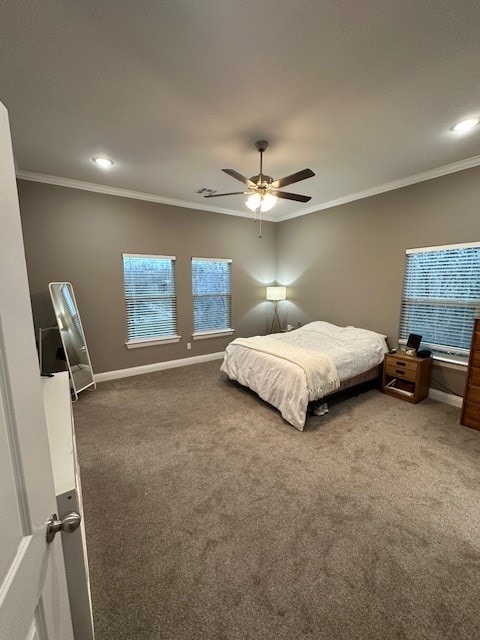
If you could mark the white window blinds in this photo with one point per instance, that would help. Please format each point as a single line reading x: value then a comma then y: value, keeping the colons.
x: 441, y: 296
x: 211, y: 289
x: 70, y: 304
x: 150, y: 296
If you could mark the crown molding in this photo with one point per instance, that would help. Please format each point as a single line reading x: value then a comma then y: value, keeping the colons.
x: 126, y: 193
x: 468, y: 163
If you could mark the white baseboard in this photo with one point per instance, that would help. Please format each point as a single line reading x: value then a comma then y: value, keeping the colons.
x: 156, y: 366
x: 448, y: 398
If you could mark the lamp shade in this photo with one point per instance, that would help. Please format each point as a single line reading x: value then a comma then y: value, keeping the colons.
x: 276, y: 293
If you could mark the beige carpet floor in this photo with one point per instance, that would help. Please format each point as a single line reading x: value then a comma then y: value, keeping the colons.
x: 210, y: 518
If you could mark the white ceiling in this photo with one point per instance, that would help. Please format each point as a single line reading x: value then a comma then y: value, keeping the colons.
x: 362, y: 92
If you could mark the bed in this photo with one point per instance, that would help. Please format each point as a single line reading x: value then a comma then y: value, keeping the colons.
x: 291, y: 369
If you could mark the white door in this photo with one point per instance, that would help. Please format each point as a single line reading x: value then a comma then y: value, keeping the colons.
x: 33, y: 593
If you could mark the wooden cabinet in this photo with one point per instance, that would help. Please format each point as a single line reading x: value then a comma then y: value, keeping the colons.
x: 406, y: 377
x: 471, y: 398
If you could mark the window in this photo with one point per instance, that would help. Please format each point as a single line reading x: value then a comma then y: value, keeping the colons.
x: 441, y: 295
x: 150, y: 299
x: 211, y: 288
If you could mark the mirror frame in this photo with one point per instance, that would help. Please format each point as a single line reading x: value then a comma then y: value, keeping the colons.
x: 76, y: 390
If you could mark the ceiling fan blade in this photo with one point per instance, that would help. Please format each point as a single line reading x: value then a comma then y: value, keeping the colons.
x: 295, y: 177
x: 238, y: 176
x: 217, y: 195
x: 292, y: 196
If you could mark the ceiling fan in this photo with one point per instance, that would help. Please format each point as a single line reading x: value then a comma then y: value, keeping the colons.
x: 263, y: 190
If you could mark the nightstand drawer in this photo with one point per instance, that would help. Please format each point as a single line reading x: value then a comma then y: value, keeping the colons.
x: 399, y: 363
x: 398, y: 371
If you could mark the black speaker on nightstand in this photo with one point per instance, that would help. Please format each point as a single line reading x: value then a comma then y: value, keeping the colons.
x: 424, y: 353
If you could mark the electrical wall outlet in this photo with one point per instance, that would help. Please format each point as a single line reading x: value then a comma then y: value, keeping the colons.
x: 189, y: 345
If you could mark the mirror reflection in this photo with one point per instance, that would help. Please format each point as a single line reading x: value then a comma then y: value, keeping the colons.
x: 73, y: 338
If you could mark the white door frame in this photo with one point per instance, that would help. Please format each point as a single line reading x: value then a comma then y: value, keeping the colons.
x: 33, y: 593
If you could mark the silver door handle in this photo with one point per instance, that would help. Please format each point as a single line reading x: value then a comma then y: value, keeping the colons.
x: 67, y: 524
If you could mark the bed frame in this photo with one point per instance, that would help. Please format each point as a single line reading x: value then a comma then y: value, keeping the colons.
x: 352, y: 383
x: 367, y: 376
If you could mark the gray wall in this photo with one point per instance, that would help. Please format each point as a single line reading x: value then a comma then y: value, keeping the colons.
x: 79, y: 237
x: 346, y: 264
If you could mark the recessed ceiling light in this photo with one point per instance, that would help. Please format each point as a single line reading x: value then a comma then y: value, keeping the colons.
x: 465, y: 125
x: 105, y: 163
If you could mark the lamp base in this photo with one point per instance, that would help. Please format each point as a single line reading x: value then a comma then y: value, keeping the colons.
x: 275, y: 326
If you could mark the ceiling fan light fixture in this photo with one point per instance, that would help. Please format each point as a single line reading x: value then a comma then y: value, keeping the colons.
x: 268, y: 202
x: 253, y: 201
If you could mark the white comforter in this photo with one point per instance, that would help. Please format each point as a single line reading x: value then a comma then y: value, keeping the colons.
x: 283, y: 383
x: 320, y: 371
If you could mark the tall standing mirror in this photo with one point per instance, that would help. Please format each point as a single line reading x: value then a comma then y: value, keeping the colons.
x: 73, y: 338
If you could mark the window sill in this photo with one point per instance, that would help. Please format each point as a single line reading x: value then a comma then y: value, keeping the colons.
x: 444, y: 359
x: 450, y: 362
x: 202, y: 335
x: 151, y: 342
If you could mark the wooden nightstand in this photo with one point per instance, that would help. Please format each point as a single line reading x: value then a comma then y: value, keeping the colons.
x: 406, y: 377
